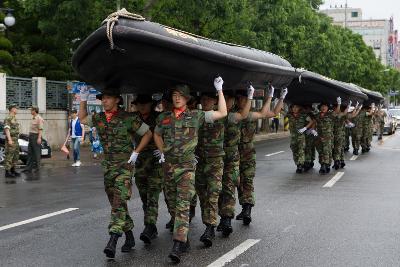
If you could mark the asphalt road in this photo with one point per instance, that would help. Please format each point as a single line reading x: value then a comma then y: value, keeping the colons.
x: 352, y: 221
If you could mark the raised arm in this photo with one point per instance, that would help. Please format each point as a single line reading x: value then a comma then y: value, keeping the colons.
x: 84, y: 95
x: 222, y: 110
x: 242, y: 114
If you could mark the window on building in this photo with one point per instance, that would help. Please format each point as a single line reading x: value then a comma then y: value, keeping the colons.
x: 354, y: 14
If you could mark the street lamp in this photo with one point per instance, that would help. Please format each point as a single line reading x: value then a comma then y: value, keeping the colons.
x: 9, y: 20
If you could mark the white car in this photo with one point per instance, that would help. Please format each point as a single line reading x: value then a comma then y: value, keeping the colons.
x: 395, y: 112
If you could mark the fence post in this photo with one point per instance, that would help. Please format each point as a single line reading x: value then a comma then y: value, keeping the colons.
x: 3, y: 91
x: 40, y: 93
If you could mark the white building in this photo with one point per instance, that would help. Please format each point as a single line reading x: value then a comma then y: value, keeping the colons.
x: 376, y: 33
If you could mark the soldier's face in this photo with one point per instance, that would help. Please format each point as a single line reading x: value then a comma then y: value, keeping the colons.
x: 296, y: 109
x: 207, y: 103
x: 324, y: 108
x: 144, y: 108
x: 242, y: 101
x: 14, y: 110
x: 109, y: 102
x: 178, y: 100
x: 230, y: 101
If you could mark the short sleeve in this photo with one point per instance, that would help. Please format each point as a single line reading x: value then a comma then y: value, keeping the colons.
x: 7, y: 123
x: 232, y: 118
x: 209, y: 116
x: 159, y: 129
x: 138, y: 126
x: 40, y: 124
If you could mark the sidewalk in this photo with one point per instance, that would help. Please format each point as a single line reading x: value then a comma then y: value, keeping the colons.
x: 59, y: 159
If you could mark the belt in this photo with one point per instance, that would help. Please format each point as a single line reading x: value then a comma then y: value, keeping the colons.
x: 176, y: 160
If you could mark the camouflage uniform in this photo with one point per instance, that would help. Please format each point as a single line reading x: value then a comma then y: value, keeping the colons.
x: 148, y: 174
x: 347, y: 133
x: 12, y: 151
x: 380, y: 121
x: 310, y: 150
x: 297, y: 140
x: 247, y: 161
x: 180, y: 137
x: 339, y: 135
x: 210, y: 151
x: 230, y: 178
x: 356, y: 131
x: 325, y: 137
x: 116, y: 137
x: 366, y: 137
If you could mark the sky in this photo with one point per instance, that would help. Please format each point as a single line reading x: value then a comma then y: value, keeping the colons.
x: 375, y: 9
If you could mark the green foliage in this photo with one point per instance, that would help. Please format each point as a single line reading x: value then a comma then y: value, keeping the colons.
x: 5, y: 57
x: 5, y: 44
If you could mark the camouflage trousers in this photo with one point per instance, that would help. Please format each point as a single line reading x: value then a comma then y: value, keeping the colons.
x: 149, y: 181
x: 118, y: 186
x: 381, y: 128
x: 347, y: 138
x: 297, y: 145
x: 324, y: 148
x: 309, y: 151
x: 338, y: 145
x: 356, y: 134
x: 12, y: 155
x: 366, y: 137
x: 230, y: 180
x: 179, y: 181
x: 208, y: 187
x: 247, y: 170
x: 193, y: 203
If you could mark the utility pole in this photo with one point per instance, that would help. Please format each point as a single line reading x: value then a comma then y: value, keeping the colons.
x: 345, y: 14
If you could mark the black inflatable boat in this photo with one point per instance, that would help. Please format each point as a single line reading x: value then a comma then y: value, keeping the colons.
x: 150, y: 57
x: 373, y: 97
x: 315, y: 88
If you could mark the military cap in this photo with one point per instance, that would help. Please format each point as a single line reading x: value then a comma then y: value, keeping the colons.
x: 241, y: 92
x: 109, y: 92
x: 11, y: 106
x: 183, y: 89
x: 142, y: 99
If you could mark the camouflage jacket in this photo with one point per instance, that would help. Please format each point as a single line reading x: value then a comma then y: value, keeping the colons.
x: 117, y: 135
x: 297, y: 122
x: 232, y: 130
x: 211, y: 139
x: 180, y: 135
x: 248, y: 130
x: 338, y: 123
x: 325, y: 124
x: 11, y: 123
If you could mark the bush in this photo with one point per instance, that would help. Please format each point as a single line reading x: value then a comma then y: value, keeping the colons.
x: 5, y: 44
x: 5, y: 57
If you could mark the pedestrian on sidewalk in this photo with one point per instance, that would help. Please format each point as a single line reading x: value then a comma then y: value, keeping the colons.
x: 35, y: 141
x: 11, y: 131
x: 275, y: 122
x: 76, y: 132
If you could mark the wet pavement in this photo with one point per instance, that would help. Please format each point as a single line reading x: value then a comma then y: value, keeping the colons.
x: 352, y: 221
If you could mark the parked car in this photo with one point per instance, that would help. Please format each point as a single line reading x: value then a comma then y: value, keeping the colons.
x: 390, y: 124
x: 23, y: 141
x: 395, y: 112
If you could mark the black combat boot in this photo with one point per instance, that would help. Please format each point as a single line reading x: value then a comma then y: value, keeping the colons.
x: 363, y: 150
x: 299, y: 168
x: 129, y: 242
x: 336, y: 164
x: 247, y: 214
x: 208, y: 236
x: 380, y: 137
x: 328, y: 168
x: 192, y: 213
x: 170, y: 224
x: 16, y: 174
x: 149, y: 233
x: 322, y: 170
x: 355, y: 152
x: 178, y: 249
x: 111, y: 246
x: 239, y: 217
x: 342, y: 164
x: 368, y: 148
x: 306, y: 166
x: 226, y: 227
x: 346, y: 149
x: 9, y: 174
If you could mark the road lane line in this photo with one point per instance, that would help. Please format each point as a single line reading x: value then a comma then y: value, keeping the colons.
x: 354, y: 157
x: 5, y: 227
x: 234, y: 253
x: 333, y: 181
x: 273, y: 154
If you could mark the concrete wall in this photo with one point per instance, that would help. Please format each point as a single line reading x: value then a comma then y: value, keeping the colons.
x: 55, y: 125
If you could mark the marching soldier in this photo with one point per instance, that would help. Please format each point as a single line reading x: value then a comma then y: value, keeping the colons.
x: 380, y: 116
x: 148, y: 171
x: 339, y: 135
x: 11, y: 130
x: 116, y: 129
x: 176, y: 136
x: 310, y: 150
x: 356, y: 131
x: 367, y: 130
x: 248, y: 153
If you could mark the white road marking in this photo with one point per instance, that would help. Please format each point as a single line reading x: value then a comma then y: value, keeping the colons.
x: 335, y: 178
x: 5, y: 227
x: 234, y: 253
x: 273, y: 154
x: 354, y: 157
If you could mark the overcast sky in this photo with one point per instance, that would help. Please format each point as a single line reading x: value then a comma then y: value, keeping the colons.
x: 376, y: 9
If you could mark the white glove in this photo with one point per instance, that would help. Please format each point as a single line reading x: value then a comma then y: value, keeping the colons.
x: 84, y: 93
x: 314, y: 132
x: 350, y: 102
x: 218, y: 82
x: 373, y: 105
x: 302, y: 130
x: 361, y: 107
x: 350, y: 125
x: 162, y: 158
x: 339, y: 100
x: 271, y: 91
x: 283, y: 93
x: 250, y: 92
x: 133, y: 158
x: 157, y: 153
